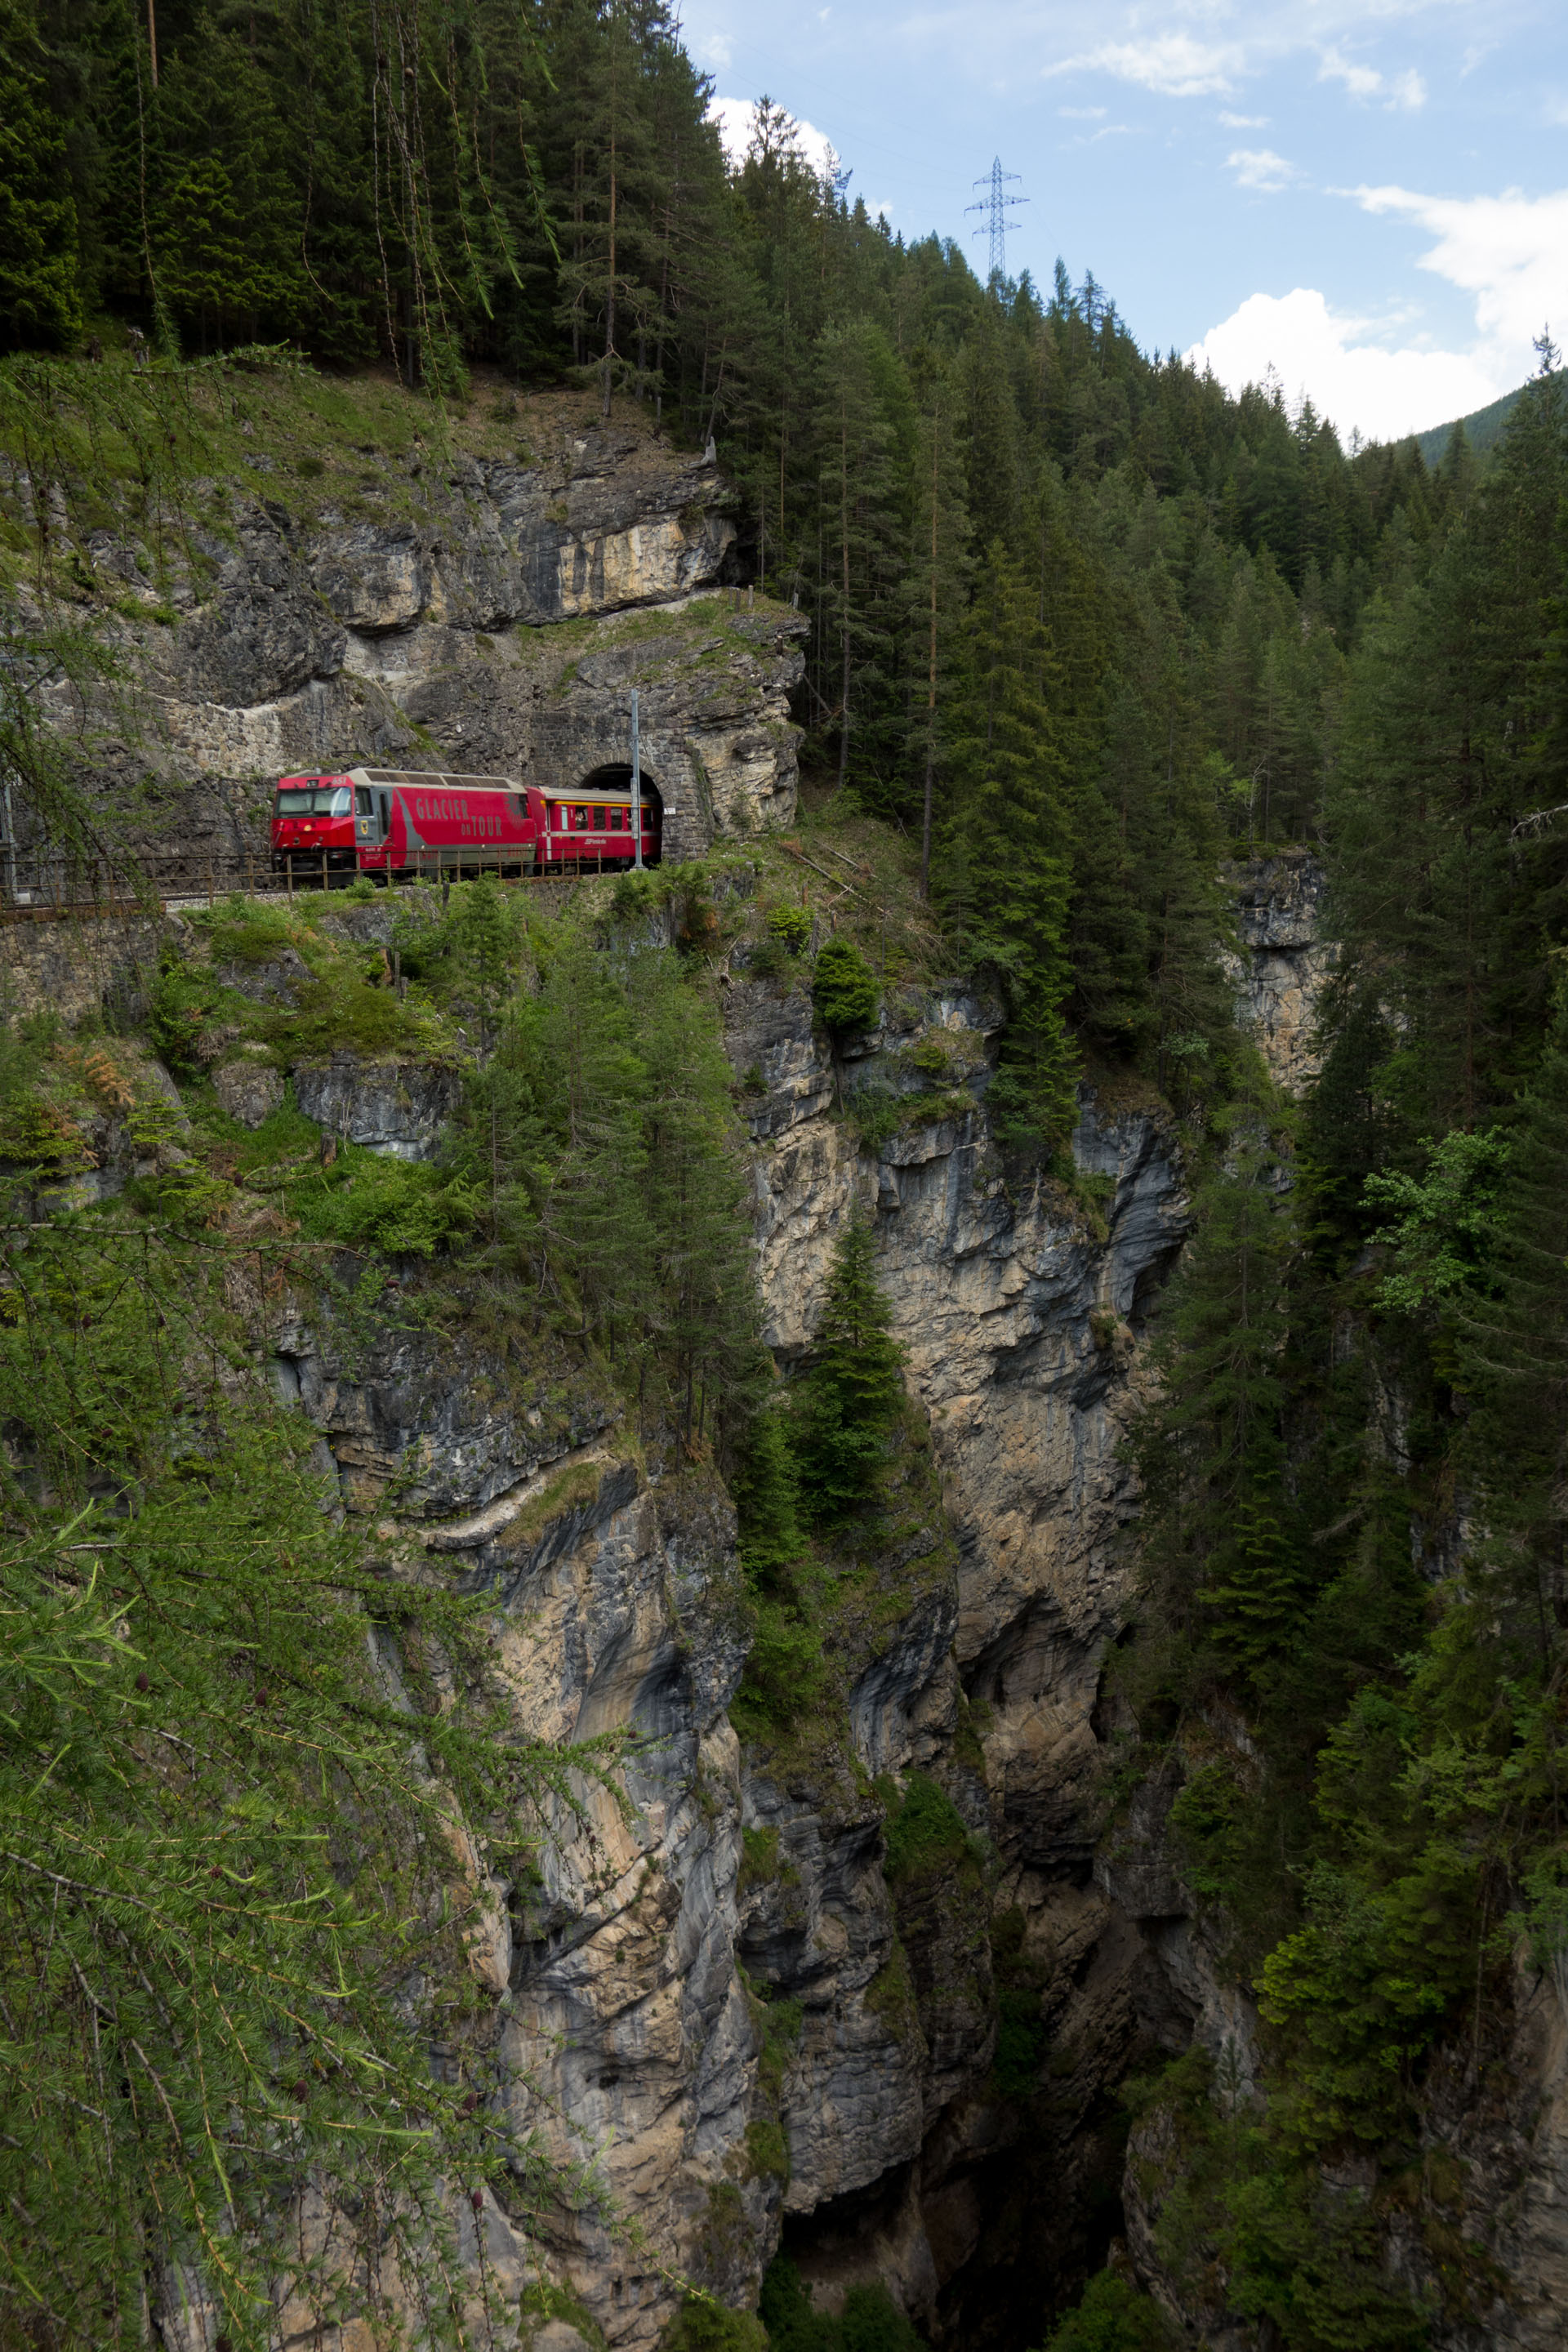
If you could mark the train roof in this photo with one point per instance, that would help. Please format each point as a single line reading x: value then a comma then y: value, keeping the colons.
x: 620, y: 798
x: 439, y: 781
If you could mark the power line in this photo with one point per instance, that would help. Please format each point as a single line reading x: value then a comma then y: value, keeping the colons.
x: 996, y: 203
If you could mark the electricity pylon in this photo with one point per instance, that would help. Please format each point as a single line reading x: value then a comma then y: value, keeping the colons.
x: 997, y: 204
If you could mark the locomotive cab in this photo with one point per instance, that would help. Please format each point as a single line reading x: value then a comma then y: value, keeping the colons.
x: 313, y: 826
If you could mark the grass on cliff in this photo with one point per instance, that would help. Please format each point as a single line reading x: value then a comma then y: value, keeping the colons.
x: 161, y: 450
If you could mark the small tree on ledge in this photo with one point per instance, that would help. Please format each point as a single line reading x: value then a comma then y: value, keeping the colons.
x: 853, y: 1391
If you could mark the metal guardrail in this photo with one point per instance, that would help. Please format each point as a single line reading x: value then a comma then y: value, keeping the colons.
x: 56, y: 893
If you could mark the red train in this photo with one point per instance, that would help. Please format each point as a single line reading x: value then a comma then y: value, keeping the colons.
x: 390, y: 821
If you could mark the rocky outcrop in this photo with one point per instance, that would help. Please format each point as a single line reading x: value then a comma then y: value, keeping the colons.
x: 1285, y: 959
x: 461, y: 619
x: 623, y: 2034
x: 396, y: 1108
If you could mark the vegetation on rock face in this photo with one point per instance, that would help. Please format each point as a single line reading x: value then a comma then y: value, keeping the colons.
x: 235, y: 1916
x: 843, y: 987
x: 870, y: 2320
x: 852, y: 1390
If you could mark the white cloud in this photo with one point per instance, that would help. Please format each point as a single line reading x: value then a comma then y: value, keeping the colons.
x: 1082, y: 113
x: 1361, y: 385
x: 1244, y: 121
x: 1172, y: 64
x: 1406, y: 89
x: 1510, y: 251
x: 1261, y: 168
x: 735, y: 117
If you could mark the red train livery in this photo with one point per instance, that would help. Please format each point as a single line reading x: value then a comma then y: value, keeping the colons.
x: 391, y: 822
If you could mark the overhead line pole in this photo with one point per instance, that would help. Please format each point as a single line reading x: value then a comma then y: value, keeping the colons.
x: 637, y: 788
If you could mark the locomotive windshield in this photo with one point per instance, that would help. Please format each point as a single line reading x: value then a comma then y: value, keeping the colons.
x: 313, y: 800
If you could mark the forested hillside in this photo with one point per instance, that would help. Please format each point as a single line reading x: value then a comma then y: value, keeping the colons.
x: 1084, y: 632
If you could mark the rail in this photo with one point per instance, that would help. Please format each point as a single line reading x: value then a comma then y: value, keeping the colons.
x: 57, y: 892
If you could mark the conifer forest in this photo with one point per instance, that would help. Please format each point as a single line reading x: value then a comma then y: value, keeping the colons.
x: 1080, y: 656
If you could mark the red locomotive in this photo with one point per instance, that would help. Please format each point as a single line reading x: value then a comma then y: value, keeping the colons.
x: 390, y: 821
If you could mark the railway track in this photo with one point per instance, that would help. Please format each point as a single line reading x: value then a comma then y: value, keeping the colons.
x: 179, y: 896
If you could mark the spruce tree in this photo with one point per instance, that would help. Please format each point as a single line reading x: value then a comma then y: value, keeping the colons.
x: 1212, y: 1452
x: 40, y: 299
x: 1005, y: 878
x: 852, y: 1390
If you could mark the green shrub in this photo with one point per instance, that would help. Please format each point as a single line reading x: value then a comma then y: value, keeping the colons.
x: 784, y: 1671
x: 759, y: 1858
x: 246, y: 930
x: 187, y: 1003
x: 704, y: 2327
x: 926, y: 1835
x: 340, y: 1012
x: 875, y: 1113
x: 843, y: 987
x: 768, y: 2149
x: 400, y: 1207
x: 871, y: 2321
x: 1112, y: 2317
x: 791, y: 926
x: 1209, y: 1818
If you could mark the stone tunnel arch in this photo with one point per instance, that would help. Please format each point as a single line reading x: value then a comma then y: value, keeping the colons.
x: 617, y: 777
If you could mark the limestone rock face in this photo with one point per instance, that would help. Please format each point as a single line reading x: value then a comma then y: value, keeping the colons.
x: 396, y: 1108
x: 625, y: 2035
x: 1022, y: 1318
x: 1285, y: 959
x: 428, y: 636
x: 801, y: 2036
x: 248, y: 1091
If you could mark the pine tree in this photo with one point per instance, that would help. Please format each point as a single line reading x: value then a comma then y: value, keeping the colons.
x: 852, y: 1390
x: 854, y: 433
x: 1006, y: 874
x: 40, y: 299
x: 231, y: 1918
x: 1514, y: 1350
x: 935, y: 590
x: 695, y: 1204
x: 1212, y: 1451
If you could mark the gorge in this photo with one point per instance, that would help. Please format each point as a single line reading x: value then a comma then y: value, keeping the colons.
x: 815, y: 1604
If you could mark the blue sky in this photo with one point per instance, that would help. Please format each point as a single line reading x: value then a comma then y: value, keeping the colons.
x: 1372, y: 199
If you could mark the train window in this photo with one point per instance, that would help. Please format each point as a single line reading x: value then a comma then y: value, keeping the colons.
x: 617, y: 820
x: 598, y: 820
x: 319, y: 800
x: 579, y: 820
x: 363, y: 802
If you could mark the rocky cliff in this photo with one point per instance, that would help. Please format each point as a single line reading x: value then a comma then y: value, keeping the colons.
x: 1282, y: 959
x: 434, y: 607
x: 714, y: 1993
